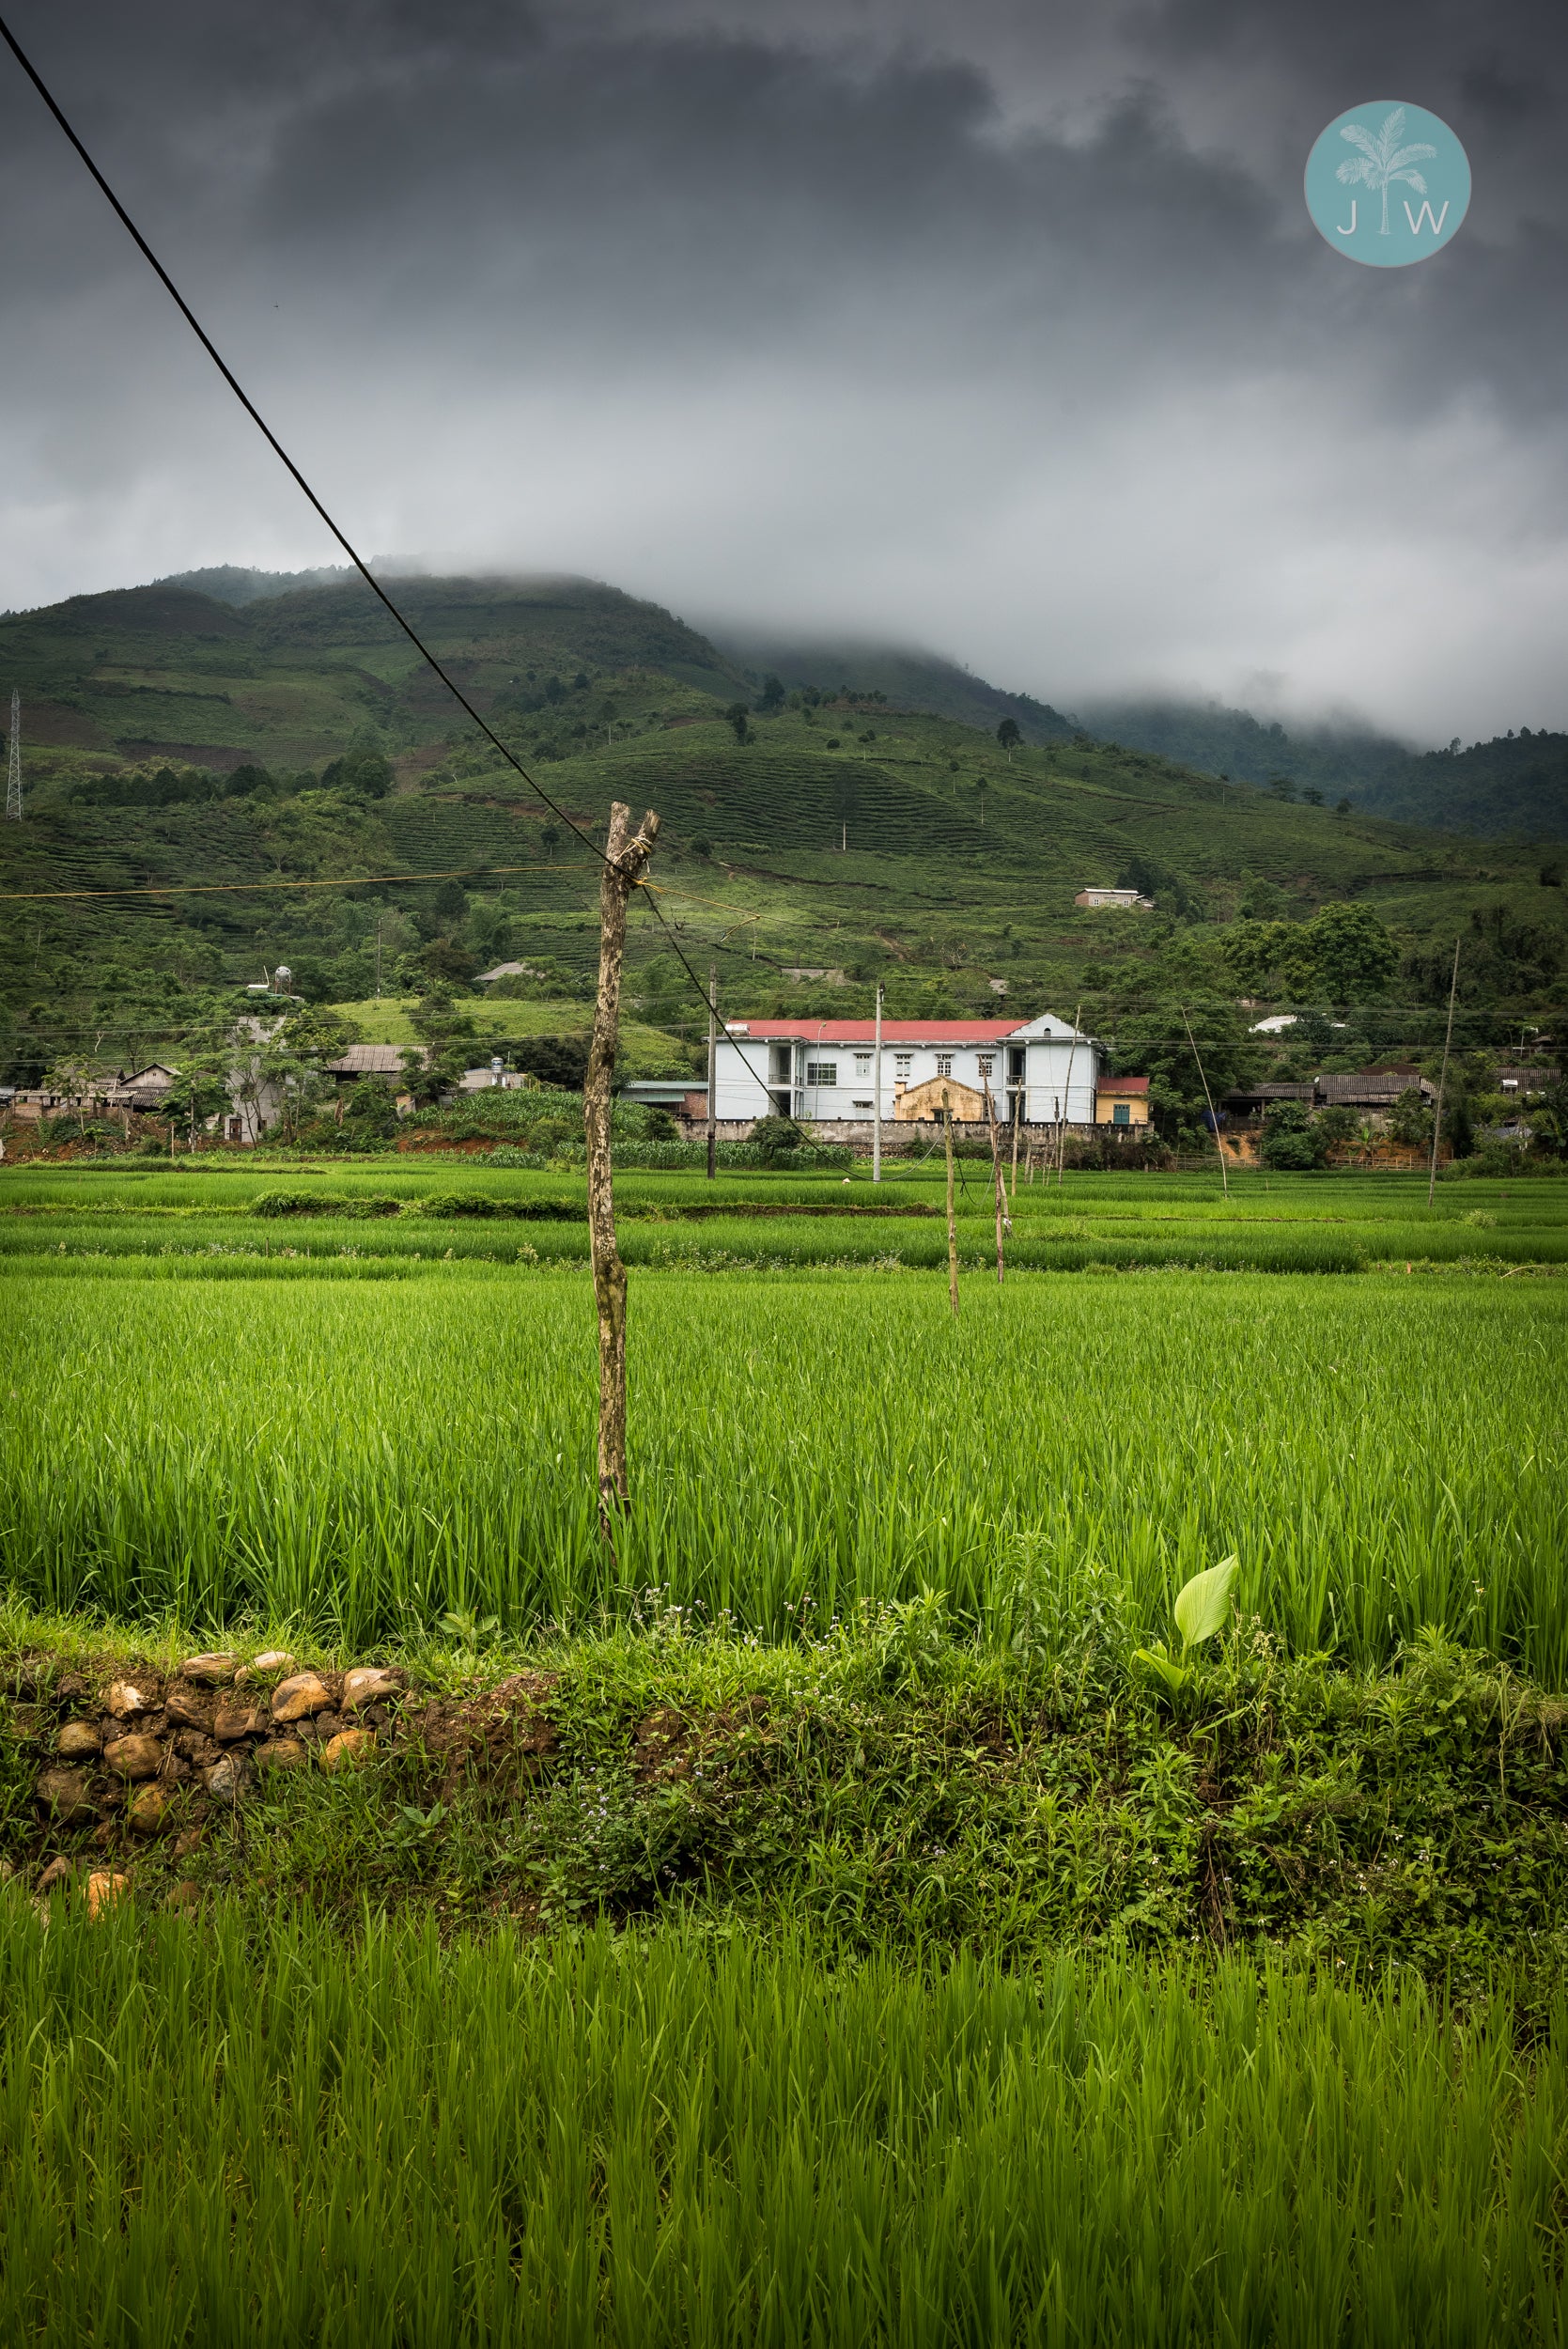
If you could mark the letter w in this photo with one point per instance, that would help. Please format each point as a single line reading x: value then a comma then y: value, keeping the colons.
x: 1417, y: 220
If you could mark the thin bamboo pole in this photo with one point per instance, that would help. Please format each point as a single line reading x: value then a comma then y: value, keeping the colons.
x: 952, y: 1224
x: 1214, y: 1122
x: 1442, y: 1079
x: 1066, y: 1099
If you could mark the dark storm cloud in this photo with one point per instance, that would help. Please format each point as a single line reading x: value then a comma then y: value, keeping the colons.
x: 1003, y: 326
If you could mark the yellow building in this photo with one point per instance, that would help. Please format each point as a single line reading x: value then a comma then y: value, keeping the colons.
x: 912, y: 1103
x: 1122, y: 1101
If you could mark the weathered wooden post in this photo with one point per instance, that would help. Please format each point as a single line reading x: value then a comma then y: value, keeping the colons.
x: 625, y: 856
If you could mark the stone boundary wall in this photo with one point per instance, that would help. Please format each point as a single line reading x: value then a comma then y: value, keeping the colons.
x: 900, y: 1134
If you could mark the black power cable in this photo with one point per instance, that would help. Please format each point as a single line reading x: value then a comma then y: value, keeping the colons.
x: 303, y: 486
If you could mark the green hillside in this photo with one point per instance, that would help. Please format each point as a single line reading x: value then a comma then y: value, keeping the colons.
x: 275, y: 750
x: 1515, y: 787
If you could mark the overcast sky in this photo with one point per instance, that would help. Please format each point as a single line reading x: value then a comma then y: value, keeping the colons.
x: 990, y: 324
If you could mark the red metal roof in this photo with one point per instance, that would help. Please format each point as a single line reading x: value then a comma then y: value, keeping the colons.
x: 1122, y: 1084
x: 895, y: 1032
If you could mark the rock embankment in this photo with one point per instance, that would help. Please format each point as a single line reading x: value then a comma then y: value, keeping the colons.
x: 151, y: 1752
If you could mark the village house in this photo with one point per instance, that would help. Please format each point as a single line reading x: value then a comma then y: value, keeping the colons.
x: 1122, y: 1101
x: 825, y: 1070
x: 374, y: 1059
x: 1123, y: 900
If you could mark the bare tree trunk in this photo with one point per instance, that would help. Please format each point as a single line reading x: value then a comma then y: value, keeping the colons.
x: 952, y: 1226
x: 625, y: 858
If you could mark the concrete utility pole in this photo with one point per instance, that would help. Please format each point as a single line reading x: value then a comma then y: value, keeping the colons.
x: 13, y: 772
x: 1442, y: 1079
x: 877, y: 1093
x: 713, y: 1067
x: 626, y: 855
x: 1003, y: 1219
x: 952, y: 1225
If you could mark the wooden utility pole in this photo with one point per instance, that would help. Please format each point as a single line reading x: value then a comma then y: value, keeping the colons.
x: 1442, y: 1079
x: 713, y: 1067
x: 1214, y: 1122
x: 625, y: 856
x: 876, y: 1094
x: 952, y: 1226
x: 997, y: 1185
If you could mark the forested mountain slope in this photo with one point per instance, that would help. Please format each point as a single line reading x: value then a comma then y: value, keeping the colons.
x: 280, y: 779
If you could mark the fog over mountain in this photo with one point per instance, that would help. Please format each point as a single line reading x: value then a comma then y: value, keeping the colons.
x: 998, y: 328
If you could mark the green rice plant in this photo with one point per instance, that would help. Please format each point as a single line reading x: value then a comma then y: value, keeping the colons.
x: 364, y: 1447
x: 249, y: 2128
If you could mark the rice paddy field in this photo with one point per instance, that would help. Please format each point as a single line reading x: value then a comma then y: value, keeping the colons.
x: 342, y: 1408
x: 666, y: 2141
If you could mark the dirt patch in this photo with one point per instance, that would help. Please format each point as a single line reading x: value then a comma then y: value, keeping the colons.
x: 667, y: 1747
x: 498, y: 1741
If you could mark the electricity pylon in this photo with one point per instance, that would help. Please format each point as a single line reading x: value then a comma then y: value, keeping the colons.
x: 13, y: 775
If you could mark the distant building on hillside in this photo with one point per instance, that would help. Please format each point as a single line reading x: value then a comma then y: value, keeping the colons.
x: 1126, y: 900
x: 375, y: 1060
x: 144, y: 1090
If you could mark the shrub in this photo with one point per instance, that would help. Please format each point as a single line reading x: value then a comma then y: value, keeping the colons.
x: 1290, y: 1140
x: 771, y: 1136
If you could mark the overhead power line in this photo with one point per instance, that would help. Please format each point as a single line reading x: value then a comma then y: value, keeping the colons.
x: 223, y: 889
x: 303, y: 486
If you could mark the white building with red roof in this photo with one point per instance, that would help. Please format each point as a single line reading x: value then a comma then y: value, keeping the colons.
x: 1040, y: 1070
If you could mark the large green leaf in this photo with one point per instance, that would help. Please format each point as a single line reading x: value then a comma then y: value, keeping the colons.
x: 1172, y: 1673
x: 1201, y: 1604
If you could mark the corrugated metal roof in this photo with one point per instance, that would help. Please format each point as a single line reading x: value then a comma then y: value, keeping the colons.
x: 374, y: 1059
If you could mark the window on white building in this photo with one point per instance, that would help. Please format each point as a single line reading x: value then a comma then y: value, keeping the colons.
x: 822, y: 1072
x: 984, y: 1061
x: 902, y: 1064
x: 944, y: 1064
x: 862, y: 1064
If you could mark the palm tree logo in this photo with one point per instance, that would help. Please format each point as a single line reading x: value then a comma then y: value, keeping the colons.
x: 1382, y: 160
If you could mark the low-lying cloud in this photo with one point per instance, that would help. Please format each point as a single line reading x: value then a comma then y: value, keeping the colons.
x: 989, y: 329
